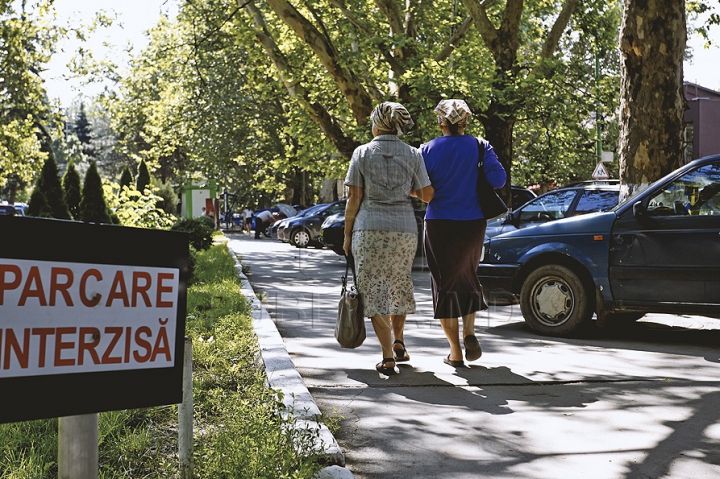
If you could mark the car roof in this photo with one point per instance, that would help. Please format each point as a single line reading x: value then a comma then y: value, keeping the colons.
x: 610, y: 184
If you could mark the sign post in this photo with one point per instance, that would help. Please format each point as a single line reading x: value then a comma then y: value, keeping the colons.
x: 78, y: 447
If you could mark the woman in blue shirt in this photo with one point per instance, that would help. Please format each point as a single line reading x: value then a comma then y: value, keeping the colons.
x: 455, y: 226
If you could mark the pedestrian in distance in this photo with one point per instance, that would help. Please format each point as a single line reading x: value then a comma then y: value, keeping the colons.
x: 380, y: 227
x: 247, y: 214
x: 263, y: 219
x: 455, y: 226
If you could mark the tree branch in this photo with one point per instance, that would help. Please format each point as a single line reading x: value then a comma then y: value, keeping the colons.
x: 553, y: 38
x: 348, y: 83
x: 327, y: 123
x: 457, y: 36
x: 395, y: 65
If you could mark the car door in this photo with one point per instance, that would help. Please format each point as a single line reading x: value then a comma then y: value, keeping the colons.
x: 668, y: 253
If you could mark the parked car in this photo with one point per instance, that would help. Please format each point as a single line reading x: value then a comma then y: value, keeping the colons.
x: 520, y: 196
x: 7, y: 210
x: 279, y: 211
x: 571, y: 200
x: 20, y: 209
x: 659, y: 251
x: 282, y: 232
x: 333, y: 229
x: 332, y: 232
x: 305, y: 230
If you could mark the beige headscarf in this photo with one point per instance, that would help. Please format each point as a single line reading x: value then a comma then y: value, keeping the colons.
x: 391, y: 116
x: 452, y: 111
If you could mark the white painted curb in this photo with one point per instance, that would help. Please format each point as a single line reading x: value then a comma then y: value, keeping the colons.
x: 282, y: 376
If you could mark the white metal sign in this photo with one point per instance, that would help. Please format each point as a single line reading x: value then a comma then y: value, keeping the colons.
x: 60, y: 318
x: 600, y: 172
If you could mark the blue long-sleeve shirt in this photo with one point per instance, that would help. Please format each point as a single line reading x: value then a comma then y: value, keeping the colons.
x: 451, y: 163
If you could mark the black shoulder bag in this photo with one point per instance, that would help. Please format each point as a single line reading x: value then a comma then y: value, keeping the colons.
x: 492, y: 205
x: 350, y: 325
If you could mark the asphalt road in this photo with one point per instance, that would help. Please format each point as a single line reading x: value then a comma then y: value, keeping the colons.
x: 643, y: 402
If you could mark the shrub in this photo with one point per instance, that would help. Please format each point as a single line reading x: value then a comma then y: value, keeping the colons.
x: 93, y: 208
x: 200, y: 232
x: 143, y: 177
x: 126, y: 178
x: 71, y: 190
x: 49, y: 186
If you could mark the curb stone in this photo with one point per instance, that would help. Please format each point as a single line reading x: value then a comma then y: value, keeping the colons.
x: 282, y: 376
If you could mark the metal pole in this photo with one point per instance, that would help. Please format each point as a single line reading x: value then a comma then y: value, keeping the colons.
x: 185, y: 416
x: 598, y: 137
x: 78, y: 447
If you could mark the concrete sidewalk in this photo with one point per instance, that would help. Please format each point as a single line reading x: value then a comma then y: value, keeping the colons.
x: 640, y: 403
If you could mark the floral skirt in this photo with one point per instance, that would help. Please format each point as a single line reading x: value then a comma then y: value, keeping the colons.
x: 383, y: 264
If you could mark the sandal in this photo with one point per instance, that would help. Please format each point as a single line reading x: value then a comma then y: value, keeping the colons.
x: 380, y: 367
x: 401, y: 355
x: 455, y: 364
x: 472, y: 348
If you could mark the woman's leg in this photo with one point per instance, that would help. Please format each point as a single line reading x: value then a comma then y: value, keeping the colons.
x: 383, y: 331
x: 398, y: 326
x: 473, y: 350
x: 452, y: 332
x: 468, y: 325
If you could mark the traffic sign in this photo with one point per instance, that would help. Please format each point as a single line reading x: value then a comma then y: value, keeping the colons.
x: 600, y: 172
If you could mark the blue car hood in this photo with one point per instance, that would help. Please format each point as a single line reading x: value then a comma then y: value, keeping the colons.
x: 584, y: 224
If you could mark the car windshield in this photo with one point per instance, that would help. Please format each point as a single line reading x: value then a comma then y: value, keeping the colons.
x: 596, y: 200
x: 695, y: 193
x: 550, y: 206
x: 311, y: 211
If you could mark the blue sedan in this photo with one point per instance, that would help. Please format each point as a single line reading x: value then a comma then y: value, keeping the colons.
x: 658, y: 251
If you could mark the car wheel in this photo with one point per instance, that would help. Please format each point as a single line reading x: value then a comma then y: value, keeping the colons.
x: 554, y: 301
x: 300, y: 238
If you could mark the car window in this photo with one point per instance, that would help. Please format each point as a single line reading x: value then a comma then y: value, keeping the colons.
x: 550, y: 206
x: 596, y: 200
x: 695, y: 193
x: 336, y: 208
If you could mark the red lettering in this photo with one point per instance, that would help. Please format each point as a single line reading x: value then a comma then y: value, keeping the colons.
x: 58, y: 287
x: 143, y: 344
x: 4, y: 285
x: 12, y: 344
x: 28, y: 291
x: 83, y: 346
x: 96, y: 297
x: 116, y: 332
x: 137, y: 289
x: 128, y: 343
x: 60, y: 345
x: 163, y: 289
x: 43, y: 333
x: 162, y: 346
x: 118, y: 290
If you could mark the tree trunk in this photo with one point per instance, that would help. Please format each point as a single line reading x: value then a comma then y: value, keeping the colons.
x: 652, y: 42
x: 499, y: 132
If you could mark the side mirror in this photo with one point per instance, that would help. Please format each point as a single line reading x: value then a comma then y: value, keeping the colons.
x: 639, y: 210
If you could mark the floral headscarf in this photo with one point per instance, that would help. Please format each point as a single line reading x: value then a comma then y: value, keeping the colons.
x: 391, y: 116
x: 452, y: 111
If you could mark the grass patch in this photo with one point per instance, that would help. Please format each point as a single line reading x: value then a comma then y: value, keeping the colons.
x: 241, y: 428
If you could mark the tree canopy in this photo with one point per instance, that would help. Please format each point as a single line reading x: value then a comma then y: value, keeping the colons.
x: 264, y: 95
x: 27, y: 120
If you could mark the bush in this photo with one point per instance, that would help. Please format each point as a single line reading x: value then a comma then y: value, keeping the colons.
x: 200, y: 232
x: 93, y: 208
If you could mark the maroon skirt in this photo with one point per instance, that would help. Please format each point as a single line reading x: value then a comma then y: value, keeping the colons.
x: 453, y: 249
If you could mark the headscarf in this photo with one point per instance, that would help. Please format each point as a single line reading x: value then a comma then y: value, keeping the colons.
x: 391, y: 116
x: 452, y: 111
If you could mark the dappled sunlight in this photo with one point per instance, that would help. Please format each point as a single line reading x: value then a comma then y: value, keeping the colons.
x: 631, y: 402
